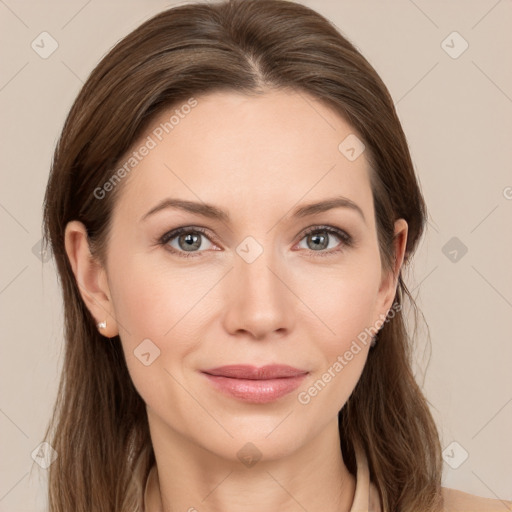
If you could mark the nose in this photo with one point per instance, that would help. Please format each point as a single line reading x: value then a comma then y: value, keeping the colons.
x: 259, y: 297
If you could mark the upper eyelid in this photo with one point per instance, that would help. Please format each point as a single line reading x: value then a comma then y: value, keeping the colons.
x: 205, y: 231
x: 177, y: 231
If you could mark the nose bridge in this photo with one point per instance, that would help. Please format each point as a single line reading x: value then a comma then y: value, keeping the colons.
x: 259, y: 302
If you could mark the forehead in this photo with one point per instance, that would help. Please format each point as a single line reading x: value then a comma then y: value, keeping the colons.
x: 277, y: 149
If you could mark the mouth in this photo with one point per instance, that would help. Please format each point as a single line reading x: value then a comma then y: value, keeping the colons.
x: 255, y: 385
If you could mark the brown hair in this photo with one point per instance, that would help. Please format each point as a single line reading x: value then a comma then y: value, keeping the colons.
x: 99, y: 427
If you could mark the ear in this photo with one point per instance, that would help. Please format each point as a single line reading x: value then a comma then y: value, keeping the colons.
x: 389, y: 282
x: 91, y: 277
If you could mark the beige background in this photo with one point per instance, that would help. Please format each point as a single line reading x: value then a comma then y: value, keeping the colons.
x: 457, y: 114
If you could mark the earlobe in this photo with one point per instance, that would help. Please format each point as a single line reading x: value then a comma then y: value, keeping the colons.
x: 91, y: 278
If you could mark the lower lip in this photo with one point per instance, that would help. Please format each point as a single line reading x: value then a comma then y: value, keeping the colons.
x: 256, y: 391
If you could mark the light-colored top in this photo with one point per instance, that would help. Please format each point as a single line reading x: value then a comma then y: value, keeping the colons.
x: 366, y: 497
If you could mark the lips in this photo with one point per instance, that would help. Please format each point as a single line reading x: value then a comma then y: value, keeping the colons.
x: 255, y: 385
x: 238, y: 371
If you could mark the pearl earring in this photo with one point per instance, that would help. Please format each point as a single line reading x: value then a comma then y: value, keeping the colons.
x: 102, y: 325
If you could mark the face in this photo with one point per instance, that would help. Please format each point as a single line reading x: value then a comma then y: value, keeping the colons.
x: 256, y: 286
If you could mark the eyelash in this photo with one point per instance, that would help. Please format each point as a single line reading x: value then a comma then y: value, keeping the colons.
x: 346, y: 239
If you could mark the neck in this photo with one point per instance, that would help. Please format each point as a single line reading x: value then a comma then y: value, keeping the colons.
x: 192, y: 478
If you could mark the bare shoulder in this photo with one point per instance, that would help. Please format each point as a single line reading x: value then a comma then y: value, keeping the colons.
x: 459, y: 501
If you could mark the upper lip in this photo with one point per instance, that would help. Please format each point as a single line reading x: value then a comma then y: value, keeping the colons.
x: 239, y: 371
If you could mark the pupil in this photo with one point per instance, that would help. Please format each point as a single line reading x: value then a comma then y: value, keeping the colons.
x: 191, y: 240
x: 316, y: 238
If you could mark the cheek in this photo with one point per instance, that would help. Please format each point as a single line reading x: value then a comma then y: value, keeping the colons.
x: 343, y: 303
x: 168, y: 307
x: 343, y: 299
x: 151, y: 301
x: 343, y: 349
x: 157, y: 301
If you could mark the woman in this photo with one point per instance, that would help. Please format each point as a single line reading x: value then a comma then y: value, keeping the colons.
x: 230, y: 206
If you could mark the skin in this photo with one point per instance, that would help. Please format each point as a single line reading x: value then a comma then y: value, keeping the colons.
x: 258, y: 158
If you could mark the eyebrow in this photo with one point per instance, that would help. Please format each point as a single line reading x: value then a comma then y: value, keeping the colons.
x: 212, y: 212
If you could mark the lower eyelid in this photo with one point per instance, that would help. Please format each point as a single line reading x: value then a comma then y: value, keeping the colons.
x: 168, y: 237
x: 345, y: 239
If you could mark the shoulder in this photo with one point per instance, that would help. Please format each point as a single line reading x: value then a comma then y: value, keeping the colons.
x: 459, y: 501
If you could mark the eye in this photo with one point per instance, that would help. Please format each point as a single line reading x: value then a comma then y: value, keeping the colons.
x: 319, y: 238
x: 188, y: 241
